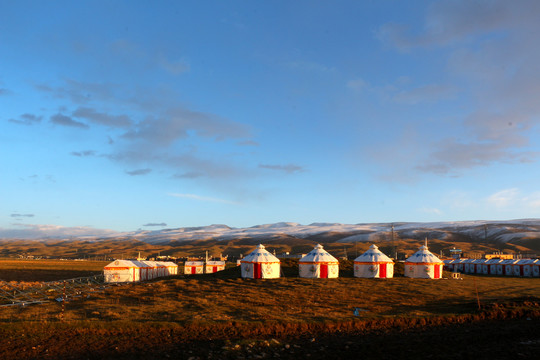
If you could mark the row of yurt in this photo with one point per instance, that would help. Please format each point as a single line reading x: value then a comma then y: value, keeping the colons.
x: 318, y: 263
x: 200, y: 267
x: 138, y: 270
x: 507, y: 267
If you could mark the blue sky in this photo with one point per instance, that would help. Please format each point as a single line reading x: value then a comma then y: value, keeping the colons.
x: 125, y: 115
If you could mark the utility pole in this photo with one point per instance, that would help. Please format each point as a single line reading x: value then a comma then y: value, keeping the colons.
x: 394, y: 243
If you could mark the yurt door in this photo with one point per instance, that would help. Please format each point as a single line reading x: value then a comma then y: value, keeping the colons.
x: 382, y: 270
x: 257, y: 271
x: 214, y: 269
x: 193, y: 270
x: 324, y: 271
x: 437, y: 271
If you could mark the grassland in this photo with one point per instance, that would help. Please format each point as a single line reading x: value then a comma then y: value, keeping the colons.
x: 223, y: 316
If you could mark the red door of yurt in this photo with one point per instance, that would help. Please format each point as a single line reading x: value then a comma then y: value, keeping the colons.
x: 214, y: 269
x: 324, y: 271
x: 257, y: 271
x: 436, y: 271
x: 193, y: 270
x: 382, y: 270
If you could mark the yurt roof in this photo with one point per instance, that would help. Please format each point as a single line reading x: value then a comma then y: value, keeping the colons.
x: 260, y: 255
x: 318, y: 255
x: 373, y: 255
x: 526, y: 261
x: 423, y: 256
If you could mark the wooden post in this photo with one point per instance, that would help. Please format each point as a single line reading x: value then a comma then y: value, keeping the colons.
x: 63, y: 303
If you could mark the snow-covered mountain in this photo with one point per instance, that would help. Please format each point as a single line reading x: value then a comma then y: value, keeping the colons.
x: 492, y: 231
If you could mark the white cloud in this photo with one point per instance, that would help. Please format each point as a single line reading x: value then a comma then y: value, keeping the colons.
x: 428, y: 210
x: 203, y: 198
x: 504, y: 198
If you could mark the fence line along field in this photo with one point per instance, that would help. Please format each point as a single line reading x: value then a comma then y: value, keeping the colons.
x: 230, y: 317
x: 48, y: 269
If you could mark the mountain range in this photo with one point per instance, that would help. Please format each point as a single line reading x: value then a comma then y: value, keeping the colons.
x: 509, y: 231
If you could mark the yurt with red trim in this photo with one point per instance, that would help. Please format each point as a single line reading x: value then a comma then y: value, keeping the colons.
x: 193, y: 267
x: 260, y: 264
x: 318, y: 263
x: 122, y: 271
x: 214, y: 266
x: 373, y: 264
x: 423, y: 265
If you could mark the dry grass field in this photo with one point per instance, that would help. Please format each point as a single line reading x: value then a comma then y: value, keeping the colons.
x: 223, y: 316
x: 47, y: 270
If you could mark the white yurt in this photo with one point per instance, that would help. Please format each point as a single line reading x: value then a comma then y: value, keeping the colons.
x: 214, y: 266
x: 424, y: 265
x: 260, y: 264
x: 373, y: 264
x: 122, y: 271
x: 194, y: 267
x: 318, y: 263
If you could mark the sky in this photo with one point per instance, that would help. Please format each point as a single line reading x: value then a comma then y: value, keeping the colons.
x: 124, y: 115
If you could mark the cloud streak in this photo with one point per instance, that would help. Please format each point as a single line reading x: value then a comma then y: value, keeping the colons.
x: 27, y: 119
x: 64, y: 120
x: 155, y: 224
x: 289, y: 168
x: 139, y: 172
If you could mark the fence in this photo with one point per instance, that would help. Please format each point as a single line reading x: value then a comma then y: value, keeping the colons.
x: 22, y: 294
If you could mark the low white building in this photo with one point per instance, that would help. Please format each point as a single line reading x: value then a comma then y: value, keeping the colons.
x: 214, y: 266
x: 193, y: 267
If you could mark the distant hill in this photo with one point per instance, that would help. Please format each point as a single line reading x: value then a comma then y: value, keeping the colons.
x: 510, y: 231
x: 518, y: 236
